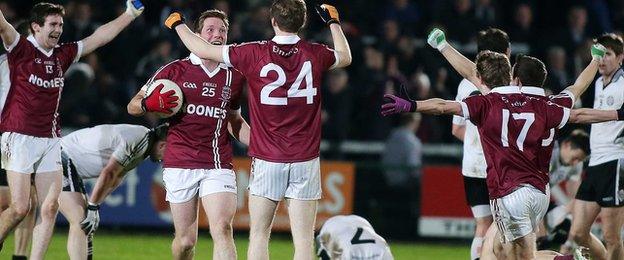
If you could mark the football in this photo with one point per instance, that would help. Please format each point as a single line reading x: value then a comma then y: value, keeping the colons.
x: 167, y: 86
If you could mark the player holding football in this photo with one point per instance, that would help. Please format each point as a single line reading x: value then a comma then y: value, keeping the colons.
x: 350, y: 237
x: 198, y: 159
x: 29, y: 118
x: 284, y: 75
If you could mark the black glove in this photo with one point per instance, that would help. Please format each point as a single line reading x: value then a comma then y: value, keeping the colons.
x: 328, y: 13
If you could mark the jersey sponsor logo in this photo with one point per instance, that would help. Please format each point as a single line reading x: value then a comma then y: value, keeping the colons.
x: 227, y: 186
x: 53, y: 83
x: 201, y: 110
x: 189, y: 85
x: 283, y: 53
x: 610, y: 100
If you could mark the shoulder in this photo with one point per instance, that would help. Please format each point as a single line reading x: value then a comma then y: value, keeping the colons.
x: 250, y: 44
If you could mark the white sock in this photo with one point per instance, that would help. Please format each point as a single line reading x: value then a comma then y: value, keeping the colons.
x: 477, y: 242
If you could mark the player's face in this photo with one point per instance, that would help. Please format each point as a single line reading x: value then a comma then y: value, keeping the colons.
x: 571, y: 156
x: 49, y: 34
x: 214, y: 31
x: 610, y: 63
x: 158, y: 151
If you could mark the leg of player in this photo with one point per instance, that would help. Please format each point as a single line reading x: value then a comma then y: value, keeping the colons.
x: 73, y: 206
x: 524, y: 247
x: 487, y: 250
x: 220, y: 208
x: 23, y: 231
x: 483, y: 223
x: 612, y: 221
x: 583, y: 216
x: 185, y: 224
x: 302, y: 215
x: 48, y: 186
x: 261, y: 214
x: 20, y: 198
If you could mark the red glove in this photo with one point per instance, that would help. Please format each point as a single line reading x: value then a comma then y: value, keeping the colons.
x: 160, y: 102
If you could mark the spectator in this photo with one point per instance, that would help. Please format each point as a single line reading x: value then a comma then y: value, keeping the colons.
x: 485, y: 13
x: 336, y: 113
x: 156, y: 58
x: 80, y: 23
x: 558, y: 78
x: 461, y: 22
x: 522, y: 26
x: 576, y: 31
x: 406, y: 13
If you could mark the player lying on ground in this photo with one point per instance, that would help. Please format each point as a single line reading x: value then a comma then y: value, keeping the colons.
x: 284, y: 75
x: 198, y: 163
x: 30, y: 126
x: 350, y: 237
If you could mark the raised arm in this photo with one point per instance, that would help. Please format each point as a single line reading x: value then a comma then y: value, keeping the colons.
x: 434, y: 106
x: 7, y: 31
x: 465, y: 67
x: 192, y: 41
x: 329, y: 14
x: 589, y: 73
x: 590, y: 116
x: 107, y: 32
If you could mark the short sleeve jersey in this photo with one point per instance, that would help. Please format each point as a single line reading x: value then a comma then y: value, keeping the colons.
x: 285, y: 76
x: 36, y: 82
x: 512, y: 127
x: 198, y: 137
x: 90, y: 149
x: 354, y: 237
x: 473, y: 161
x: 606, y: 139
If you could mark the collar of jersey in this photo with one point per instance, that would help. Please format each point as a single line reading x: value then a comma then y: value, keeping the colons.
x: 286, y: 39
x: 32, y: 39
x: 518, y: 90
x: 196, y: 60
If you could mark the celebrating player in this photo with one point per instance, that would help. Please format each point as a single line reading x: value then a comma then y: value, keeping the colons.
x: 198, y: 160
x: 30, y: 139
x: 108, y: 153
x: 284, y: 76
x: 350, y: 237
x: 602, y: 188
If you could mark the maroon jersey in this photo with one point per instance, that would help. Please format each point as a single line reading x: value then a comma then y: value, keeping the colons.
x: 512, y: 127
x: 284, y: 77
x: 198, y: 137
x: 36, y: 83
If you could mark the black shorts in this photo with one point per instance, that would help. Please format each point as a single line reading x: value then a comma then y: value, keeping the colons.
x: 72, y: 182
x: 476, y: 191
x: 603, y: 184
x: 3, y: 178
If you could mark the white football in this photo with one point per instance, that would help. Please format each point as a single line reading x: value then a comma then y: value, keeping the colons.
x: 167, y: 86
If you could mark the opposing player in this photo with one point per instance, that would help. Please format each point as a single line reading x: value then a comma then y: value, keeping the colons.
x: 284, y: 76
x: 602, y: 188
x: 108, y: 153
x: 29, y: 118
x: 350, y: 237
x: 198, y: 160
x: 473, y: 161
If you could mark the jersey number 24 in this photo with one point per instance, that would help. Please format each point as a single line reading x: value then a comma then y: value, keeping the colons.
x: 293, y: 92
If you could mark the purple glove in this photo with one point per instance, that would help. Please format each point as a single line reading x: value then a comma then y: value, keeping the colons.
x: 397, y: 105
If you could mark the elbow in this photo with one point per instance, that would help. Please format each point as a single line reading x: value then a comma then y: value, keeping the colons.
x: 348, y: 59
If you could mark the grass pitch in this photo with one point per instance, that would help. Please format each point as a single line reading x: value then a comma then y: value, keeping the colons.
x: 156, y: 245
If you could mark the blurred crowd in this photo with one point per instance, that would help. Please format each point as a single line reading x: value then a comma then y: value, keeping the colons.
x: 387, y: 38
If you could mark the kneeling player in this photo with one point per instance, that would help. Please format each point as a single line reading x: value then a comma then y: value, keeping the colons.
x: 105, y: 152
x: 351, y: 237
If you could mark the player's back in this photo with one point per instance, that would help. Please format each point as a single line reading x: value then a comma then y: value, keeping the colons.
x: 354, y: 237
x: 285, y: 76
x: 513, y: 127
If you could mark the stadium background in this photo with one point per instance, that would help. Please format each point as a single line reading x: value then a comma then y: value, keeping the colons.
x: 387, y: 39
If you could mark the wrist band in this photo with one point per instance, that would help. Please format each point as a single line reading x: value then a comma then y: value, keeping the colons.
x: 92, y: 206
x: 620, y: 113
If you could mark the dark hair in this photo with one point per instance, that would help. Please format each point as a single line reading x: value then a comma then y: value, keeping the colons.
x: 159, y: 133
x: 211, y: 13
x: 579, y: 140
x: 23, y: 27
x: 290, y: 15
x: 493, y: 39
x: 530, y: 70
x: 493, y: 68
x: 612, y: 41
x: 40, y: 11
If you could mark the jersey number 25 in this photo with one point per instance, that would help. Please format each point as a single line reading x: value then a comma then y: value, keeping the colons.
x: 305, y: 73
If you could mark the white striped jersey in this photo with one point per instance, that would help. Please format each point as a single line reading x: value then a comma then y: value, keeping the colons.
x: 473, y: 161
x: 607, y: 139
x: 90, y: 149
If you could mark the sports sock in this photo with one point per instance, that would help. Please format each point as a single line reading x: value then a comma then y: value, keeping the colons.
x: 19, y: 257
x: 477, y: 242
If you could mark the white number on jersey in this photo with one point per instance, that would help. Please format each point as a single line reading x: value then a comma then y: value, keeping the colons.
x: 308, y: 92
x: 208, y: 92
x: 529, y: 119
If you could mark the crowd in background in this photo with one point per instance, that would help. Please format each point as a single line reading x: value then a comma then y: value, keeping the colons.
x: 387, y: 39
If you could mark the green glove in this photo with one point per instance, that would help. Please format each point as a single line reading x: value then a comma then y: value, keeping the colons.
x: 437, y: 39
x: 598, y: 51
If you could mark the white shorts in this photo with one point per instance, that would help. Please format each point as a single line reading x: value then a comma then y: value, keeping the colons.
x: 519, y: 213
x: 183, y: 185
x: 274, y: 181
x: 28, y: 154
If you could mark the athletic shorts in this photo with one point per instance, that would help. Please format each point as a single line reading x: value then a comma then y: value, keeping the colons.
x: 519, y: 213
x: 72, y: 182
x: 3, y: 178
x: 603, y: 184
x: 183, y: 185
x: 477, y: 196
x: 28, y: 154
x: 274, y: 181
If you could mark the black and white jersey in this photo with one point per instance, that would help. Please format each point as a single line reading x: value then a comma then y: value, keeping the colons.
x: 559, y: 172
x: 351, y: 237
x: 473, y: 161
x: 607, y: 139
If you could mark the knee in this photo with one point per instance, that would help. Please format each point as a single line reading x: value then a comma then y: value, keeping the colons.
x: 49, y: 209
x: 612, y: 239
x: 579, y: 237
x: 21, y: 209
x: 221, y: 229
x: 185, y: 243
x: 526, y: 254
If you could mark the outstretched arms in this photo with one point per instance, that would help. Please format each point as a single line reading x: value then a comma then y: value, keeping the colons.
x: 435, y: 106
x: 7, y: 31
x: 329, y: 15
x: 107, y: 32
x: 587, y: 75
x: 590, y: 116
x: 192, y: 41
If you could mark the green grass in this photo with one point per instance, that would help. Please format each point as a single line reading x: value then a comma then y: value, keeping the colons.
x: 145, y: 245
